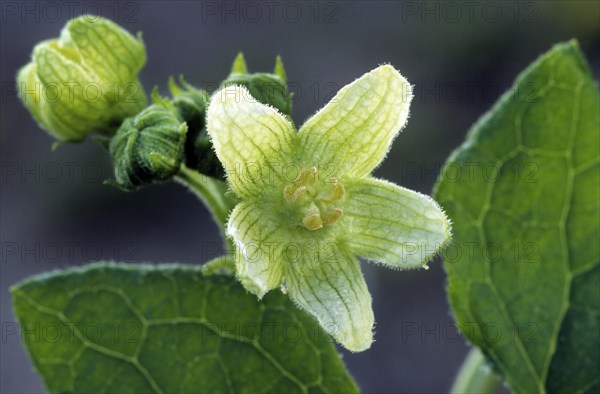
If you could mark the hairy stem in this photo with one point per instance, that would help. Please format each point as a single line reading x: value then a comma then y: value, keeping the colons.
x: 213, y: 193
x: 475, y: 377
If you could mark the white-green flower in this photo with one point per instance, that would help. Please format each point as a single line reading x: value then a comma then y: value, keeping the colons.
x: 85, y: 80
x: 309, y: 205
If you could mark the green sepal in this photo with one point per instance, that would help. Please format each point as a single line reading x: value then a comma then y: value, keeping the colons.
x: 279, y: 69
x: 239, y: 65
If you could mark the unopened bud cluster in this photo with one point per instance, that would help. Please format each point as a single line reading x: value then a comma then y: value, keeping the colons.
x: 86, y: 81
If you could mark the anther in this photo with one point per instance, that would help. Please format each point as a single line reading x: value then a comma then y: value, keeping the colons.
x: 316, y: 200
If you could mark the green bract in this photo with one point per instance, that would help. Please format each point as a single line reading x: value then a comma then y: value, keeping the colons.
x: 86, y: 80
x: 309, y: 205
x: 148, y: 147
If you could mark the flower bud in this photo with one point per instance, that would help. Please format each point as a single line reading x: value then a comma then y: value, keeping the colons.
x: 191, y: 104
x: 267, y: 88
x: 85, y: 80
x: 148, y: 147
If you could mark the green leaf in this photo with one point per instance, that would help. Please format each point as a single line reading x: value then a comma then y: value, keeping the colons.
x: 523, y: 193
x: 168, y: 328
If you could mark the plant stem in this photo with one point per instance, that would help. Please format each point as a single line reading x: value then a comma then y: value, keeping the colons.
x: 215, y: 265
x: 213, y: 193
x: 475, y: 377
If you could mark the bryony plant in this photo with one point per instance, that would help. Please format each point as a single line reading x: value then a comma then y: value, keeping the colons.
x: 309, y: 205
x: 306, y: 205
x: 298, y: 208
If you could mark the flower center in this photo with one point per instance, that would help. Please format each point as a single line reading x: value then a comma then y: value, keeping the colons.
x: 316, y: 200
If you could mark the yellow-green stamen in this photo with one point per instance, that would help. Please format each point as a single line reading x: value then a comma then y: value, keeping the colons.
x: 318, y: 201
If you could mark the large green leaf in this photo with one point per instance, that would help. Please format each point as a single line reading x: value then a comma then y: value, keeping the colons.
x: 140, y: 328
x: 523, y: 195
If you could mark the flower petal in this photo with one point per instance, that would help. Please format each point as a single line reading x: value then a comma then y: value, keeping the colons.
x: 251, y: 139
x: 71, y: 104
x: 331, y: 287
x: 257, y: 242
x: 394, y: 225
x: 106, y: 49
x: 353, y: 132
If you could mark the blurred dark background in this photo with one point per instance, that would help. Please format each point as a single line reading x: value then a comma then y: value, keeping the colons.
x: 461, y: 56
